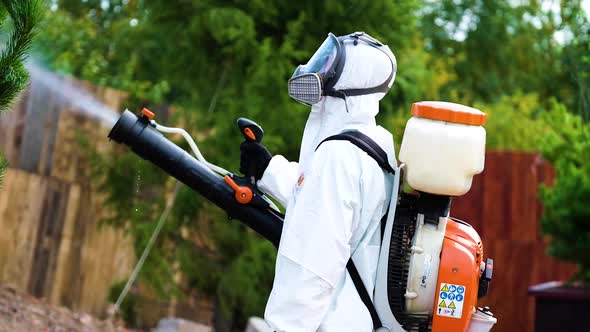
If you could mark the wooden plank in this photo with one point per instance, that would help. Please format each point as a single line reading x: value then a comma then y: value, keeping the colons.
x: 515, y: 213
x: 32, y: 138
x: 496, y: 198
x: 49, y: 238
x: 65, y: 285
x: 19, y: 221
x: 50, y: 133
x: 107, y: 256
x: 524, y: 199
x: 65, y: 156
x: 531, y: 192
x: 469, y: 206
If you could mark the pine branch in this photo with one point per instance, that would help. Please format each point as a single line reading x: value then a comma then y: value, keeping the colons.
x: 26, y: 15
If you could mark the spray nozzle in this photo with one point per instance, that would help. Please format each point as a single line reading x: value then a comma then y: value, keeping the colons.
x: 126, y: 130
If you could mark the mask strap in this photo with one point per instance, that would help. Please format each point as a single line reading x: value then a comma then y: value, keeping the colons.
x: 338, y: 94
x: 383, y: 87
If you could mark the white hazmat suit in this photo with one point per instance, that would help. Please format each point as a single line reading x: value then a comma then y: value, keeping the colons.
x: 335, y: 198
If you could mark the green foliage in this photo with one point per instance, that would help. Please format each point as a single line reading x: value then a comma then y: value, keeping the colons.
x: 99, y: 47
x: 516, y: 122
x: 248, y: 276
x: 566, y: 218
x: 25, y: 16
x: 218, y: 60
x: 576, y: 56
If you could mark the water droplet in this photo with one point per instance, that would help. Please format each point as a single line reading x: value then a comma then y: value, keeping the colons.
x: 138, y: 181
x: 138, y: 185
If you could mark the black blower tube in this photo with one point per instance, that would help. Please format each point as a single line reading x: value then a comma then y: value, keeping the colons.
x: 151, y: 145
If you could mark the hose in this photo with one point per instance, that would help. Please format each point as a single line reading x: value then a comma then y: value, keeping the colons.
x: 199, y: 155
x: 147, y: 248
x: 192, y: 144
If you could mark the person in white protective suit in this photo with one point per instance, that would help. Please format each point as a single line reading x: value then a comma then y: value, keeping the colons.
x: 336, y: 195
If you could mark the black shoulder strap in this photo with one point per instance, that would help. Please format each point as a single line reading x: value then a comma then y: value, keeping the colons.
x: 363, y: 293
x: 366, y: 144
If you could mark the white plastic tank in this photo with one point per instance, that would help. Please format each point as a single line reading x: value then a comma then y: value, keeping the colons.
x: 443, y: 147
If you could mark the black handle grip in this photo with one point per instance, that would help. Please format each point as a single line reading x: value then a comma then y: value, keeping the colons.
x: 250, y: 130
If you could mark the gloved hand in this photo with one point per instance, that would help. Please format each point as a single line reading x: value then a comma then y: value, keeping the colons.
x: 254, y: 159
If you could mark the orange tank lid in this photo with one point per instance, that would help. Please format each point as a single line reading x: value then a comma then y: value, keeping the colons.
x: 449, y: 112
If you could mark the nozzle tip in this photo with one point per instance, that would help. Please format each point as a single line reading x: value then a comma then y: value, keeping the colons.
x: 122, y: 128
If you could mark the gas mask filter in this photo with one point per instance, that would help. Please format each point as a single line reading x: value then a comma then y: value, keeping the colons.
x: 306, y: 88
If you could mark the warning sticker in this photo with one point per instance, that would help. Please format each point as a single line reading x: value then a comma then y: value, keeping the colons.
x: 450, y: 300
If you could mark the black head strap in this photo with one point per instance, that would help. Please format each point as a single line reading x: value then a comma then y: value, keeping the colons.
x: 343, y: 93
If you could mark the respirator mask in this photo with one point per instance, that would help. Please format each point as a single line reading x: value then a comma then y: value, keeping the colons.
x: 320, y: 74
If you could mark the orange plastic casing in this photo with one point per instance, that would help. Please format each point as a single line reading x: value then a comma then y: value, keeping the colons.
x: 460, y: 261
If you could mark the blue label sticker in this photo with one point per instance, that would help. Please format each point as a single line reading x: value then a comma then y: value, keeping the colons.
x: 450, y: 300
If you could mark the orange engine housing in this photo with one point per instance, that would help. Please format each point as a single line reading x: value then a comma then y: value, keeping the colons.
x: 459, y: 272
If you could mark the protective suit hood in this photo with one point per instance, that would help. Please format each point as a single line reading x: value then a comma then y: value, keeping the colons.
x: 365, y: 66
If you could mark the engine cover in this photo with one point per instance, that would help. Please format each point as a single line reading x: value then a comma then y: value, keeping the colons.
x: 458, y: 278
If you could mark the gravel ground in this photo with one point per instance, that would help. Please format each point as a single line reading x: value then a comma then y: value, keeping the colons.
x: 23, y: 313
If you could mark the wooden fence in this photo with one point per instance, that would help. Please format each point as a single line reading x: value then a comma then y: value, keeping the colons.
x: 51, y: 244
x: 503, y: 207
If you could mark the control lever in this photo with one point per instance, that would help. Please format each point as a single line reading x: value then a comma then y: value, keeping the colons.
x: 246, y: 191
x: 250, y: 130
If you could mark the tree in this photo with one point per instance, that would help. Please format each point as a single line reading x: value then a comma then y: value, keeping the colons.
x: 566, y: 217
x: 25, y: 16
x: 576, y: 56
x: 501, y: 48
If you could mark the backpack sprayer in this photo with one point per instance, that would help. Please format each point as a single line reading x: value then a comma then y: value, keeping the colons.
x: 431, y: 268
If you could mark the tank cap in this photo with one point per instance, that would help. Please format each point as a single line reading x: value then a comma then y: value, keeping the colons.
x: 449, y: 112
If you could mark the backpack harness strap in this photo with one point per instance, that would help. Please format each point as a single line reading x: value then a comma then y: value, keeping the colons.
x: 366, y: 144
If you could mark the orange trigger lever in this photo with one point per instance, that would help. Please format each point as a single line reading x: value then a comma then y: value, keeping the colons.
x: 250, y: 133
x: 243, y: 194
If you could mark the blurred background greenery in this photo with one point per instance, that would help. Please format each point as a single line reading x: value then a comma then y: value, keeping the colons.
x: 525, y: 63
